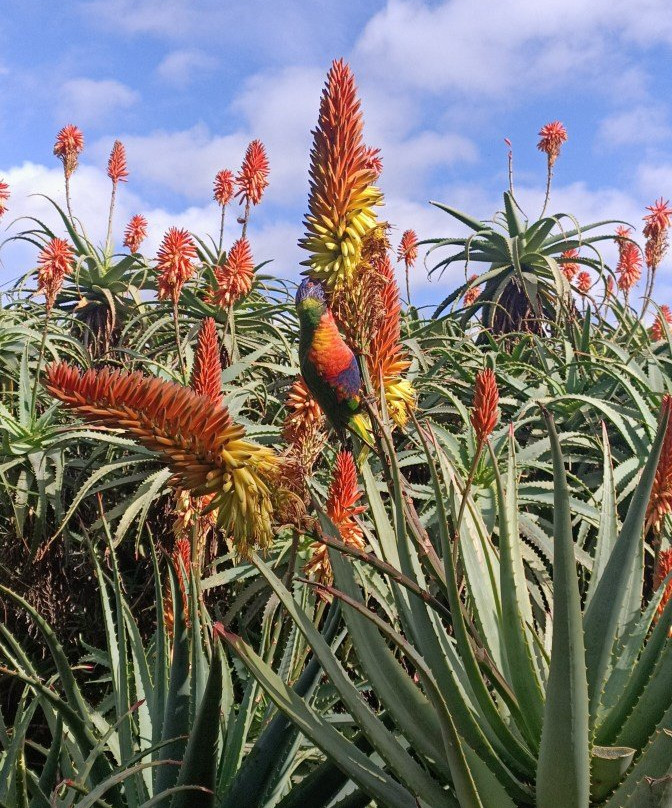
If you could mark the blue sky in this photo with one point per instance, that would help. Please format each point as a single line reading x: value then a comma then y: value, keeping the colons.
x: 186, y: 84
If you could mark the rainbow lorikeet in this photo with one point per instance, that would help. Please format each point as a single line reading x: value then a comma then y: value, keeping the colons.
x: 328, y: 365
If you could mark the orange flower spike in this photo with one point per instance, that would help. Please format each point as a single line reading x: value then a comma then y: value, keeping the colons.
x: 663, y: 569
x: 660, y: 501
x: 583, y: 282
x: 629, y: 269
x: 342, y: 509
x: 658, y: 329
x: 552, y: 135
x: 485, y: 412
x: 234, y: 279
x: 68, y: 146
x: 252, y: 179
x: 4, y: 196
x: 568, y: 266
x: 55, y: 261
x: 174, y: 263
x: 473, y: 293
x: 303, y: 412
x: 342, y: 198
x: 116, y: 165
x: 656, y: 225
x: 205, y: 450
x: 206, y: 376
x: 408, y: 248
x: 224, y: 187
x: 135, y: 233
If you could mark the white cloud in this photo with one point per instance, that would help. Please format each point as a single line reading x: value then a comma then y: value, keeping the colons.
x: 90, y: 102
x: 642, y: 124
x: 181, y: 67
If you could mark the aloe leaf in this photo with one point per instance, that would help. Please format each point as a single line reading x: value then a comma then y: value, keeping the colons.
x: 514, y: 223
x: 354, y: 763
x: 404, y: 766
x: 50, y: 769
x: 176, y: 717
x: 608, y: 529
x: 199, y: 766
x: 652, y: 769
x: 516, y: 609
x: 472, y: 223
x: 608, y: 766
x: 604, y: 613
x: 566, y: 718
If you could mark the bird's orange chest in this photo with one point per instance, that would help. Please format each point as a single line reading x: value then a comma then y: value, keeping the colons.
x: 328, y: 351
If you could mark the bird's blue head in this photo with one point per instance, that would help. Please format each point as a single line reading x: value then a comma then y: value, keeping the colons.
x: 310, y: 293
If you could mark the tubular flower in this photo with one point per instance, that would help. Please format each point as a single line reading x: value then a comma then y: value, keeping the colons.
x: 583, y: 282
x: 174, y: 263
x: 552, y: 135
x: 205, y: 450
x: 194, y: 520
x: 68, y: 146
x: 135, y: 233
x: 629, y: 268
x: 660, y: 501
x: 224, y: 187
x: 55, y: 262
x: 342, y: 509
x: 658, y: 329
x: 4, y: 196
x: 656, y: 225
x: 374, y: 162
x: 234, y: 278
x: 252, y: 179
x: 663, y: 569
x: 408, y: 248
x: 116, y: 165
x: 341, y: 199
x: 473, y: 292
x: 180, y: 559
x: 568, y: 266
x: 386, y: 359
x: 206, y: 376
x: 485, y: 412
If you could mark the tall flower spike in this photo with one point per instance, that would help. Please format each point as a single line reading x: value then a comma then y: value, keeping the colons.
x: 303, y: 412
x: 4, y: 196
x: 656, y: 225
x: 374, y: 162
x: 206, y: 377
x: 342, y: 509
x: 205, y: 450
x: 252, y: 179
x: 485, y: 412
x: 223, y: 187
x: 408, y: 248
x: 68, y: 146
x: 629, y: 268
x: 116, y: 165
x: 552, y: 135
x: 342, y: 199
x: 55, y: 261
x: 473, y: 292
x: 234, y: 278
x: 174, y: 263
x: 386, y: 358
x: 135, y: 233
x: 583, y: 282
x: 658, y: 329
x: 568, y: 266
x: 660, y: 502
x: 663, y: 569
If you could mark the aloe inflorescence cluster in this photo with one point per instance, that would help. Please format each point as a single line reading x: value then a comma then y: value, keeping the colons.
x: 468, y: 603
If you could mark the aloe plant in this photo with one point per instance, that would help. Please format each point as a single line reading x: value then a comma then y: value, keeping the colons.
x: 173, y: 725
x: 501, y: 706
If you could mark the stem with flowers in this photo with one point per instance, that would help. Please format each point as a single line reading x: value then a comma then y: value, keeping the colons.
x: 40, y: 360
x: 183, y: 367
